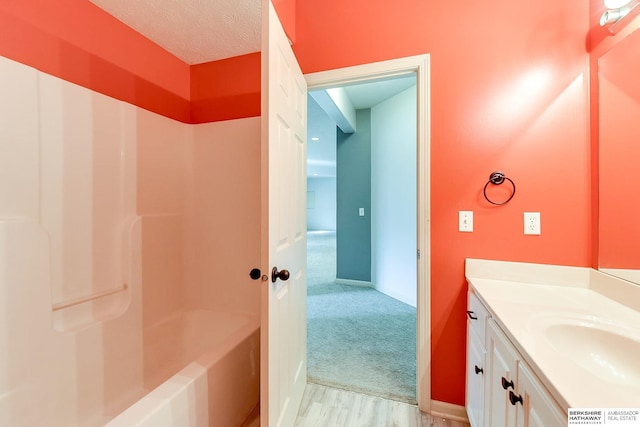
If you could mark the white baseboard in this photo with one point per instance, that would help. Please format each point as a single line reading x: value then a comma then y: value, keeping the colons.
x: 354, y: 283
x: 449, y: 411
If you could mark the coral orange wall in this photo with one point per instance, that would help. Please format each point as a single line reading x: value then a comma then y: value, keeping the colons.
x: 286, y: 10
x: 509, y: 84
x: 226, y: 89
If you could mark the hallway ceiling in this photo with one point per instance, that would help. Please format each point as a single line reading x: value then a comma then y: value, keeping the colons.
x: 321, y: 154
x: 195, y: 31
x: 370, y: 94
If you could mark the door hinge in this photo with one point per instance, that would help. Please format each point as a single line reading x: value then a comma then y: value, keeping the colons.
x: 418, y: 254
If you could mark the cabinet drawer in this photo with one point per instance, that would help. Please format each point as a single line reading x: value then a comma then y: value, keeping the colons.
x: 476, y: 316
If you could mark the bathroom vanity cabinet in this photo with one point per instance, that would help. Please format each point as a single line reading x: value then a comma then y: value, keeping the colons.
x: 543, y: 339
x: 501, y: 388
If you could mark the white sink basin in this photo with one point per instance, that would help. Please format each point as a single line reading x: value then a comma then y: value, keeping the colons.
x: 610, y: 352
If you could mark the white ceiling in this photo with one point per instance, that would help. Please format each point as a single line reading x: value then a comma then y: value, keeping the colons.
x: 321, y: 154
x: 195, y: 31
x: 369, y: 94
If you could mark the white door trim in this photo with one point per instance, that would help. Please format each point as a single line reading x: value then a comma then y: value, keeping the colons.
x: 419, y: 65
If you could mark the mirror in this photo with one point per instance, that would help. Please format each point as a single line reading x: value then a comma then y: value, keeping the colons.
x: 619, y: 159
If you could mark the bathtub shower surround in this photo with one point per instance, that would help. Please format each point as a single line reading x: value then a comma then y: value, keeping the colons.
x: 87, y: 205
x: 110, y: 234
x: 71, y: 300
x: 219, y: 388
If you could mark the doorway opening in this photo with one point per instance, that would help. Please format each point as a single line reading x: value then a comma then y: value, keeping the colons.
x: 365, y: 287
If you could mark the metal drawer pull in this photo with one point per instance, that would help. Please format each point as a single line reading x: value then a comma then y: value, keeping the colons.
x: 506, y: 384
x: 478, y: 370
x: 514, y: 399
x: 471, y: 315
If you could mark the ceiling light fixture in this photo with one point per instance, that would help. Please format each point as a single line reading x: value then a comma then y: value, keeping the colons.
x: 616, y: 10
x: 315, y: 138
x: 615, y: 4
x: 610, y: 17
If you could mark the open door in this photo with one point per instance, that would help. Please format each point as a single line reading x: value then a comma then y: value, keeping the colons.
x: 283, y: 331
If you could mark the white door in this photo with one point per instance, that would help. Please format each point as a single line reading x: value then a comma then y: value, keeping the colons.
x: 284, y: 329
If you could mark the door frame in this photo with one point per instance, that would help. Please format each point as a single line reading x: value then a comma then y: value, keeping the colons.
x: 420, y: 65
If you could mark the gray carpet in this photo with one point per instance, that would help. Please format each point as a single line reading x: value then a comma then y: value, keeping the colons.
x: 358, y: 338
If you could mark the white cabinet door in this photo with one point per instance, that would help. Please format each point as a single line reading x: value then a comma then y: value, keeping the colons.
x: 475, y: 379
x: 536, y: 408
x: 501, y: 390
x: 501, y: 377
x: 515, y: 397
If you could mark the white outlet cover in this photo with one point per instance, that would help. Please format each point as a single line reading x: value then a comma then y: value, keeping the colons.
x: 532, y: 223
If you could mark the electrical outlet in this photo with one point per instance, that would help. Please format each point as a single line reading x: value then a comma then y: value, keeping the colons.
x: 532, y: 223
x: 465, y: 221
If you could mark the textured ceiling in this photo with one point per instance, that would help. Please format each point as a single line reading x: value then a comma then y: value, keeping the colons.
x: 195, y: 31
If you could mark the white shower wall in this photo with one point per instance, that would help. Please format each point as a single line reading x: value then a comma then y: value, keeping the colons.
x: 50, y: 241
x: 92, y: 202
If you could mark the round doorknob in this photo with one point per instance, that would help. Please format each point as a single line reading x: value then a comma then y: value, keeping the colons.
x: 282, y: 275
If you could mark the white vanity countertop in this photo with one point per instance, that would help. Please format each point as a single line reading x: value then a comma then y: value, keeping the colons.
x: 530, y: 312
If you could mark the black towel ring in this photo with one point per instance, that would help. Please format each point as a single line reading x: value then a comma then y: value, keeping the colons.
x: 498, y: 178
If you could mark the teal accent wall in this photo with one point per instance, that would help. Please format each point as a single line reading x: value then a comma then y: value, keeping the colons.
x: 353, y: 232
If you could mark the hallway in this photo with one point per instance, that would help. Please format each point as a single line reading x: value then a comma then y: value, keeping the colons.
x: 357, y: 338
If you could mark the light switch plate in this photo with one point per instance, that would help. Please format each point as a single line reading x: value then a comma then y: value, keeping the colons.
x: 361, y: 211
x: 532, y: 223
x: 465, y: 221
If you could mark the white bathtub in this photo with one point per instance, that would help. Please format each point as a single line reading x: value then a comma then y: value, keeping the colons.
x: 217, y: 360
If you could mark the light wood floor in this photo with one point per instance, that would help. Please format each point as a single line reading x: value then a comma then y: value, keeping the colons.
x: 330, y: 407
